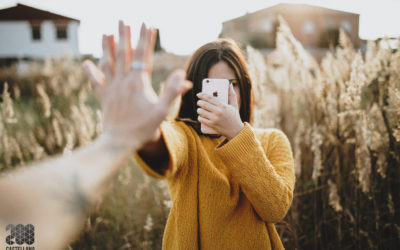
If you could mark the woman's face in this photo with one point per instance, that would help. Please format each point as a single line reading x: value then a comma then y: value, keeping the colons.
x: 221, y: 70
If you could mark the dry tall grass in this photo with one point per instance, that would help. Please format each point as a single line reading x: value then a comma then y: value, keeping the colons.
x: 342, y: 117
x: 50, y: 110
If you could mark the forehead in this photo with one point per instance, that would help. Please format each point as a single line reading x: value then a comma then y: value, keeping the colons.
x: 221, y: 70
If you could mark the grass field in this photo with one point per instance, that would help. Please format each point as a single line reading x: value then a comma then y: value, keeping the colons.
x: 342, y: 117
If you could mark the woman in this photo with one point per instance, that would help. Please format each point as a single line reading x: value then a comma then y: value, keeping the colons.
x: 227, y: 190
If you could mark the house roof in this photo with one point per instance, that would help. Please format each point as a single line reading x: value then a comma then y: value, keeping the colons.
x: 293, y: 7
x: 24, y: 12
x: 309, y: 7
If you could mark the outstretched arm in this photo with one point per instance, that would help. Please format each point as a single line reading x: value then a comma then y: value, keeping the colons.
x: 55, y: 195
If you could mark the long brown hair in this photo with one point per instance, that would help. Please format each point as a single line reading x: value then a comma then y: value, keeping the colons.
x: 197, y: 69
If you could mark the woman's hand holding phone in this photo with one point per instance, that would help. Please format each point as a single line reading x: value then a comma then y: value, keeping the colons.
x: 221, y: 117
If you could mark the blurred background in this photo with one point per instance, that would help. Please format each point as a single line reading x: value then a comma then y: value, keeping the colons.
x: 327, y: 73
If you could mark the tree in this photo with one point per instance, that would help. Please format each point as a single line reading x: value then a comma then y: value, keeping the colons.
x: 157, y: 47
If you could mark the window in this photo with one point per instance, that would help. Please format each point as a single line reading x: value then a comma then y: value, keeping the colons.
x: 61, y: 32
x: 36, y: 32
x: 309, y: 27
x: 346, y: 26
x: 267, y: 25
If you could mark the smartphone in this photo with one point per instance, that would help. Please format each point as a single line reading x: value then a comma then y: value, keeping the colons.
x: 219, y: 88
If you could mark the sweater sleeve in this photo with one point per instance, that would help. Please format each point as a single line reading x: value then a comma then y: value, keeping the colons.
x: 177, y: 146
x: 267, y: 182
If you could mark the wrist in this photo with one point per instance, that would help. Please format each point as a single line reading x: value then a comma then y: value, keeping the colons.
x: 236, y: 131
x: 153, y: 143
x: 117, y: 142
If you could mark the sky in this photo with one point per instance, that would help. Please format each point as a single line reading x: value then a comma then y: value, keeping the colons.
x: 185, y: 25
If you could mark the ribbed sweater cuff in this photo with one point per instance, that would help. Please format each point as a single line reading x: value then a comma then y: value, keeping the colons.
x: 146, y: 167
x: 166, y: 133
x: 243, y: 143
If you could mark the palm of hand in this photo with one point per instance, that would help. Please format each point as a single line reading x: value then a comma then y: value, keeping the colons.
x: 132, y: 111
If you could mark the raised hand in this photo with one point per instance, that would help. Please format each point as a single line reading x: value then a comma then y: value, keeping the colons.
x: 132, y: 110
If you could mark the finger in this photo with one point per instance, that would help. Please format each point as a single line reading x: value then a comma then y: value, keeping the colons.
x: 95, y: 76
x: 128, y: 48
x: 152, y: 35
x: 105, y: 61
x: 187, y: 86
x: 232, y: 99
x: 141, y: 47
x: 206, y: 122
x: 175, y: 86
x: 129, y: 44
x: 111, y: 51
x: 206, y: 114
x: 208, y: 98
x: 208, y: 106
x: 111, y: 43
x: 121, y: 51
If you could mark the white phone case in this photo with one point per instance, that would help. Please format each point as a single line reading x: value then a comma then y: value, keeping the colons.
x: 218, y: 88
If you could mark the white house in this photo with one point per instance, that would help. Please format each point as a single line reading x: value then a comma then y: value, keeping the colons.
x: 27, y: 32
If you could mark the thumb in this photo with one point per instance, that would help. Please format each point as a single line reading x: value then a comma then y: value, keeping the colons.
x: 187, y: 86
x: 174, y: 86
x: 232, y: 99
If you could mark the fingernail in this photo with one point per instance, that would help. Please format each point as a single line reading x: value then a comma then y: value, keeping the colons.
x: 189, y: 84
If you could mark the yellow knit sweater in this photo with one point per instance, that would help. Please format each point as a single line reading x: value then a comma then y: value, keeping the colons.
x: 225, y: 196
